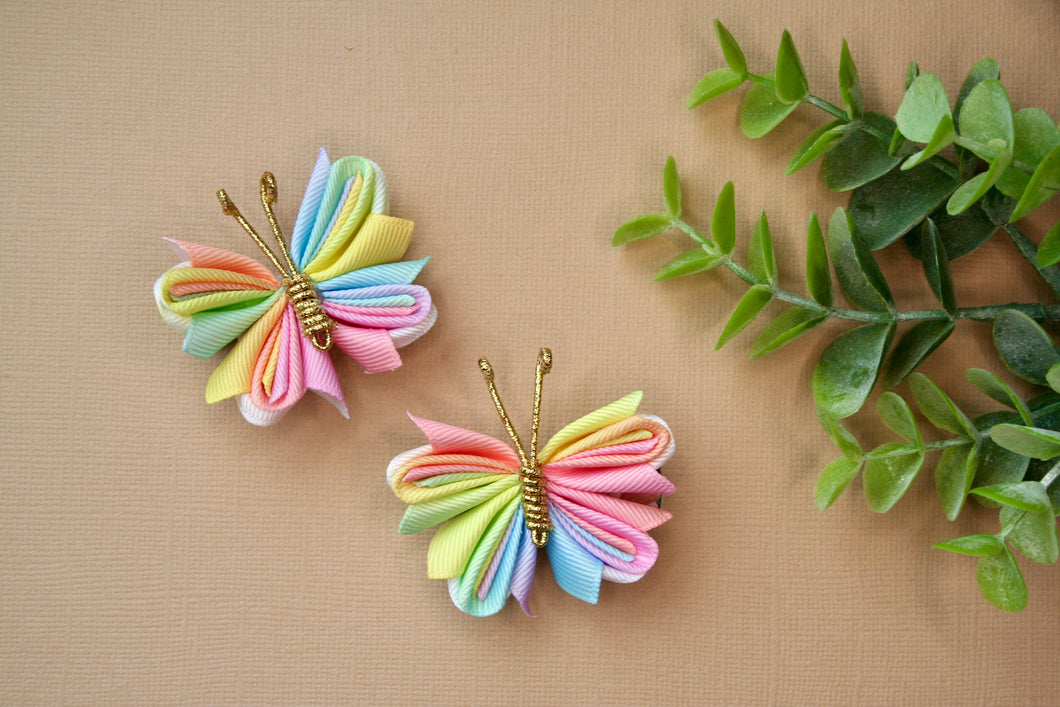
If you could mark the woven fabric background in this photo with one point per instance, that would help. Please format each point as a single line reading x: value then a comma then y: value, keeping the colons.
x: 156, y: 550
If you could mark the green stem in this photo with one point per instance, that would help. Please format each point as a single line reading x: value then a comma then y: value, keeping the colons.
x: 929, y: 447
x: 985, y: 313
x: 1046, y: 481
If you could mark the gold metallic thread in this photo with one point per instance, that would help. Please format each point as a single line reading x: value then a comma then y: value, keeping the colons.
x: 301, y: 292
x: 535, y: 500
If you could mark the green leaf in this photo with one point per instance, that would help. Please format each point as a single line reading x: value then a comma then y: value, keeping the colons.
x: 925, y: 104
x: 849, y: 84
x: 818, y: 276
x: 723, y: 223
x: 762, y: 110
x: 954, y: 474
x: 884, y: 209
x: 986, y: 115
x: 642, y: 227
x: 842, y: 437
x: 749, y: 306
x: 817, y: 144
x: 1027, y: 496
x: 1052, y: 377
x: 940, y: 139
x: 1043, y: 185
x: 889, y: 470
x: 1049, y: 249
x: 1033, y: 442
x: 984, y: 69
x: 672, y: 188
x: 847, y: 370
x: 714, y: 84
x: 1034, y: 535
x: 688, y: 263
x: 1035, y: 136
x: 997, y: 465
x: 914, y: 347
x: 1024, y: 347
x: 989, y: 384
x: 1000, y: 581
x: 895, y: 413
x: 761, y: 262
x: 833, y: 480
x: 960, y: 234
x: 977, y: 545
x: 911, y: 72
x: 791, y: 78
x: 787, y: 326
x: 859, y: 276
x: 733, y: 55
x: 974, y: 189
x: 937, y: 266
x: 860, y: 157
x: 937, y: 407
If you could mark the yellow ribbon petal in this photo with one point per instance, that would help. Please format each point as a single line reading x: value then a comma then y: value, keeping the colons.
x: 560, y: 445
x: 234, y: 374
x: 381, y: 239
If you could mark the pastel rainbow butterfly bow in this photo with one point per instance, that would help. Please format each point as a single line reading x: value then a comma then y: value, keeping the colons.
x: 587, y: 497
x: 340, y: 285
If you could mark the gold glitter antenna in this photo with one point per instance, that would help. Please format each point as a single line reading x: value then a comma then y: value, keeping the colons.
x: 535, y: 500
x: 302, y: 293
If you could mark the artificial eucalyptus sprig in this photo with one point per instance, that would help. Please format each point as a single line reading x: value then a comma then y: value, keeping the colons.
x: 904, y: 186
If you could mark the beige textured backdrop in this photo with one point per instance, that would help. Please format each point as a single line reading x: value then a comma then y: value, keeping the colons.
x: 156, y: 550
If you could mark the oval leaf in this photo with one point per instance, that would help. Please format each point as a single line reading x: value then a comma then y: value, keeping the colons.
x: 833, y: 480
x: 954, y: 474
x: 847, y: 370
x: 860, y: 157
x: 975, y: 188
x: 761, y: 262
x: 937, y: 407
x: 714, y: 84
x: 889, y: 470
x: 937, y: 266
x: 787, y: 326
x: 842, y: 437
x: 688, y: 263
x: 1035, y: 137
x: 923, y: 107
x: 672, y: 188
x: 1033, y: 442
x: 642, y: 227
x: 762, y: 110
x: 1027, y: 496
x: 849, y: 84
x: 913, y: 348
x: 818, y: 276
x: 985, y: 68
x: 818, y: 143
x: 997, y: 465
x: 885, y: 209
x: 940, y: 139
x: 723, y: 222
x: 989, y: 384
x: 746, y: 310
x: 859, y: 276
x: 986, y: 115
x: 791, y: 78
x: 1043, y: 185
x: 895, y: 413
x: 1034, y: 534
x: 977, y: 545
x: 1024, y: 347
x: 733, y: 54
x: 1000, y: 581
x: 1053, y: 377
x: 1049, y: 250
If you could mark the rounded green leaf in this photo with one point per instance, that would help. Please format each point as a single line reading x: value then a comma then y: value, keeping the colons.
x: 833, y: 480
x: 847, y: 370
x: 960, y: 234
x: 847, y: 443
x: 860, y: 157
x: 977, y: 545
x: 733, y: 54
x: 954, y: 474
x: 818, y: 276
x: 937, y: 266
x: 791, y: 78
x: 997, y: 465
x: 688, y: 263
x: 1052, y: 377
x: 975, y: 188
x: 924, y: 105
x: 1033, y: 442
x: 1027, y: 496
x: 723, y: 222
x: 940, y: 139
x: 642, y: 227
x: 937, y: 407
x: 1001, y: 582
x: 1024, y: 347
x: 1043, y: 185
x: 885, y: 209
x: 672, y: 188
x: 914, y: 347
x: 986, y: 115
x: 749, y: 306
x: 889, y: 471
x: 1049, y: 249
x: 1034, y: 534
x: 817, y: 144
x: 895, y: 413
x: 786, y: 326
x: 985, y: 68
x: 989, y: 384
x: 849, y: 84
x: 762, y: 110
x: 1035, y: 136
x: 761, y: 262
x: 714, y: 84
x: 859, y: 276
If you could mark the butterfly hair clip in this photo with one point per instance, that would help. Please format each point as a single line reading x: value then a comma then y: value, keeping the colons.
x: 339, y: 283
x: 588, y: 498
